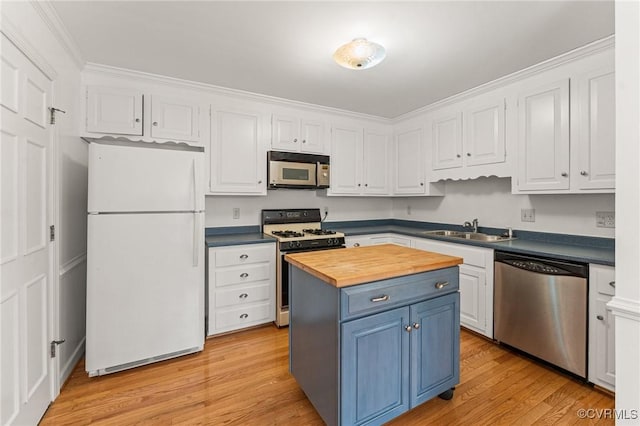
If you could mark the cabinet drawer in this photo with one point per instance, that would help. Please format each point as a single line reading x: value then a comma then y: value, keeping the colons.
x: 603, y: 277
x: 240, y: 255
x: 249, y: 315
x: 382, y: 295
x: 242, y: 274
x: 472, y: 255
x: 243, y: 295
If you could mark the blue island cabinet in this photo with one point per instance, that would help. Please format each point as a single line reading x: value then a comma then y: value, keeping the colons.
x: 365, y: 354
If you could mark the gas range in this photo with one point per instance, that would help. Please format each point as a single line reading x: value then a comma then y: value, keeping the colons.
x: 296, y: 230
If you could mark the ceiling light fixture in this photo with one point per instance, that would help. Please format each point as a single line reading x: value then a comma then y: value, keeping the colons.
x: 359, y: 54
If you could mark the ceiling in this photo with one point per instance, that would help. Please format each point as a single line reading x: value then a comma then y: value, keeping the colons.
x: 435, y: 49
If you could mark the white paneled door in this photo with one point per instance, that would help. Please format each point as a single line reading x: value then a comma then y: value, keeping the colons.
x: 25, y: 368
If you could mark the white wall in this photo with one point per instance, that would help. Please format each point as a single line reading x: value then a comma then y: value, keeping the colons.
x: 220, y: 208
x: 490, y: 200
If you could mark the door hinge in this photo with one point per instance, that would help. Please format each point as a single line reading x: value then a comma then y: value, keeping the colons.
x: 52, y: 233
x: 53, y: 345
x: 53, y: 114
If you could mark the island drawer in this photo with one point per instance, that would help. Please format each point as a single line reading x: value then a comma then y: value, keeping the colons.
x: 242, y: 274
x: 381, y: 295
x: 245, y: 254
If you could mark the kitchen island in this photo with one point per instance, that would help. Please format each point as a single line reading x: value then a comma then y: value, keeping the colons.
x: 374, y: 331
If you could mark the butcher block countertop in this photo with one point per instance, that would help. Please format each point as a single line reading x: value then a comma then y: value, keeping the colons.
x: 358, y: 265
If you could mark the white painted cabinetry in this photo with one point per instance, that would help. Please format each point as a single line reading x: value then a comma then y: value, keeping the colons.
x: 476, y: 282
x: 602, y: 370
x: 468, y: 135
x: 241, y: 282
x: 359, y: 161
x: 112, y: 110
x: 295, y: 134
x: 175, y: 119
x: 410, y: 164
x: 238, y: 151
x: 374, y: 239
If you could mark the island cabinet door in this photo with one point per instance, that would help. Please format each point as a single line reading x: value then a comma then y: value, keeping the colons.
x: 435, y: 347
x: 375, y: 368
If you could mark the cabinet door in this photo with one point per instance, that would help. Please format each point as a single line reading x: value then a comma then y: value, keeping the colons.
x: 435, y: 347
x: 312, y: 134
x: 446, y: 134
x: 409, y: 157
x: 473, y: 285
x: 484, y: 132
x: 604, y: 347
x: 543, y: 138
x: 284, y: 133
x: 596, y: 145
x: 375, y: 159
x: 375, y: 368
x: 346, y: 160
x: 174, y: 119
x: 237, y: 152
x: 114, y: 110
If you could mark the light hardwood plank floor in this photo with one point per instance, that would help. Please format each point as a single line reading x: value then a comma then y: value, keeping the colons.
x: 243, y: 379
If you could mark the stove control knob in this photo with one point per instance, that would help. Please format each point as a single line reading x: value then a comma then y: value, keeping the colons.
x: 297, y: 243
x: 329, y: 242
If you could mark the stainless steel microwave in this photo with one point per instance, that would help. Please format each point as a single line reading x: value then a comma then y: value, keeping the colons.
x: 296, y: 170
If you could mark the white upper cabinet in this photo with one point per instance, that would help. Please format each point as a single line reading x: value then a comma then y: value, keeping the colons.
x: 174, y: 119
x: 294, y: 134
x: 597, y: 133
x: 410, y: 164
x: 359, y: 161
x: 114, y: 111
x: 543, y: 137
x: 468, y: 138
x: 238, y: 154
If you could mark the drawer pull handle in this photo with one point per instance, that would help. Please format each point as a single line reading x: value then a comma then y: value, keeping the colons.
x: 356, y: 244
x: 243, y: 296
x: 416, y: 325
x: 243, y: 316
x: 612, y: 284
x: 244, y: 256
x: 441, y: 284
x: 380, y: 298
x: 244, y: 275
x: 407, y: 328
x: 600, y: 317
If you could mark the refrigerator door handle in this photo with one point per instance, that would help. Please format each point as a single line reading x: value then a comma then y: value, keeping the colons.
x: 195, y: 189
x: 196, y: 238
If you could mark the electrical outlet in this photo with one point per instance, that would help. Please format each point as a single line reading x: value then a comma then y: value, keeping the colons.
x: 409, y: 210
x: 326, y: 210
x: 605, y: 219
x: 236, y: 212
x: 528, y: 215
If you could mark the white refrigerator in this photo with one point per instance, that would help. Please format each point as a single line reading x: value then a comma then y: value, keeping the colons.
x: 145, y: 254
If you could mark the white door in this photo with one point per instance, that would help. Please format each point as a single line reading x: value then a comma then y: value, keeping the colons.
x: 473, y: 298
x: 26, y: 369
x: 484, y: 132
x: 346, y: 161
x: 312, y: 133
x: 447, y: 141
x: 375, y: 156
x: 284, y: 133
x: 174, y: 119
x: 114, y: 110
x: 409, y: 162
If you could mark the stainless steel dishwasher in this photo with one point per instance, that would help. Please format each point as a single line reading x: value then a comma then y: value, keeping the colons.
x: 540, y: 307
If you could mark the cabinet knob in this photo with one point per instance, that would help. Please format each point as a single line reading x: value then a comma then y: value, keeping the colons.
x: 356, y: 244
x: 358, y: 184
x: 244, y: 256
x: 244, y: 275
x: 564, y: 174
x: 137, y: 120
x: 243, y: 296
x: 407, y: 328
x: 458, y: 155
x: 612, y: 284
x: 366, y: 184
x: 304, y: 141
x: 421, y: 183
x: 600, y: 317
x: 155, y: 123
x: 259, y: 182
x: 416, y: 325
x: 468, y: 154
x: 583, y: 173
x: 243, y: 316
x: 441, y: 284
x: 295, y: 140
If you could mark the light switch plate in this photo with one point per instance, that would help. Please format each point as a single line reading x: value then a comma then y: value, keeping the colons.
x: 528, y: 215
x: 605, y: 219
x: 236, y: 212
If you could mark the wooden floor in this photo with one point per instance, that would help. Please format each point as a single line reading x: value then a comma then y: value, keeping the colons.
x: 243, y: 379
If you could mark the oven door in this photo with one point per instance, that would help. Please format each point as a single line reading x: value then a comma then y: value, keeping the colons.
x: 282, y: 285
x: 287, y: 174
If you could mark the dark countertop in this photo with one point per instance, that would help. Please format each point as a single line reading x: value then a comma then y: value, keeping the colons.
x: 574, y: 248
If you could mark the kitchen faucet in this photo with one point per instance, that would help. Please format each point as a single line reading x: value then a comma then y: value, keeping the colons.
x: 473, y: 224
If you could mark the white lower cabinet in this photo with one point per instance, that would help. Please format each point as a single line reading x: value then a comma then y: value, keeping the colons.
x: 371, y: 240
x: 241, y: 283
x: 476, y: 282
x: 602, y: 371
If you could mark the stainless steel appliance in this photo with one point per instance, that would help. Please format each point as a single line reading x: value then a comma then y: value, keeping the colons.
x: 540, y: 307
x: 296, y: 230
x: 295, y: 170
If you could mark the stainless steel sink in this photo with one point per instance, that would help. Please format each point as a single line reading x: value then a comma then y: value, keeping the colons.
x: 477, y: 236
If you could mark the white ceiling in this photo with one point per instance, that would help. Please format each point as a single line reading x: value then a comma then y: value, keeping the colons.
x: 434, y: 48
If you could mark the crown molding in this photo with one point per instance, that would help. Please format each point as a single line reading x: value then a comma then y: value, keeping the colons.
x: 189, y: 84
x: 54, y: 23
x: 13, y: 33
x: 580, y: 52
